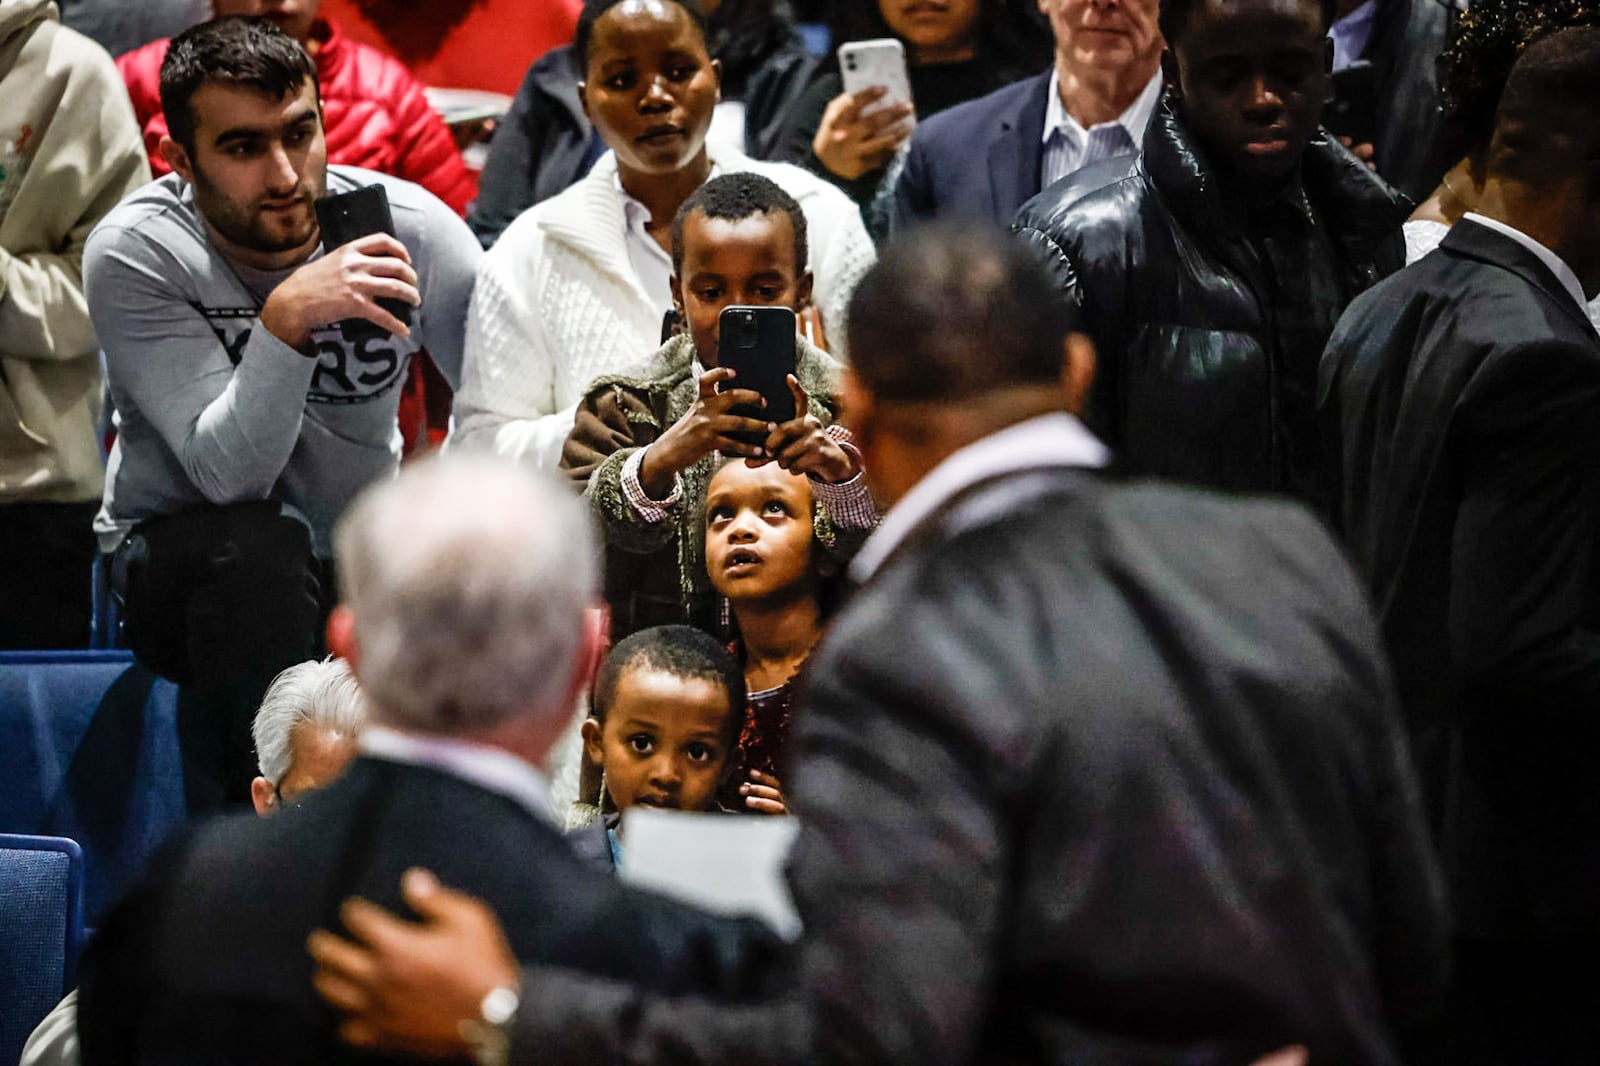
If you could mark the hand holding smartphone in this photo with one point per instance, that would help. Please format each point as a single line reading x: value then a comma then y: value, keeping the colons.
x: 881, y: 62
x: 758, y: 345
x: 351, y: 216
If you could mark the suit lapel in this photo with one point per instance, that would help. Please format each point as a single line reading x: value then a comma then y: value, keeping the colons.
x: 1482, y: 243
x: 1017, y: 150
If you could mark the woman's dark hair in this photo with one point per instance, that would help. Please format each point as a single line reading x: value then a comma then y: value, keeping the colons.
x: 593, y: 9
x: 1012, y: 34
x: 1477, y: 60
x: 235, y: 50
x: 744, y: 35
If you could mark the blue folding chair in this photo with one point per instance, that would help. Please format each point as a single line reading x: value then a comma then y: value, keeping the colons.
x: 89, y: 750
x: 41, y: 931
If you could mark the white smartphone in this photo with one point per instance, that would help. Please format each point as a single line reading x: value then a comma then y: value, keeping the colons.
x: 863, y: 64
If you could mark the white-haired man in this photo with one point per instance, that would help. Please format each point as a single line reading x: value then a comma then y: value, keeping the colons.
x: 305, y: 732
x: 467, y: 586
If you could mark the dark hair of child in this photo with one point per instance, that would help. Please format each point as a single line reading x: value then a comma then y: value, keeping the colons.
x: 681, y: 651
x: 734, y: 198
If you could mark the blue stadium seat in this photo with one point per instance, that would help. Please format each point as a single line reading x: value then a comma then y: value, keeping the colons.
x: 89, y: 750
x: 41, y: 931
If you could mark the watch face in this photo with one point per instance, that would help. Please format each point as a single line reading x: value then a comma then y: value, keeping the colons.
x: 499, y: 1006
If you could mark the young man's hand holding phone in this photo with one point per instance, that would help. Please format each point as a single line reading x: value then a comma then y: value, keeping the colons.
x: 363, y: 280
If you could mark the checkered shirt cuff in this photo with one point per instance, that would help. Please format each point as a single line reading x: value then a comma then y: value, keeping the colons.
x: 651, y: 511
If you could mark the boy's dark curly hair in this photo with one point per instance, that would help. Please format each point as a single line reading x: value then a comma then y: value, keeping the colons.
x: 734, y: 198
x: 1477, y: 60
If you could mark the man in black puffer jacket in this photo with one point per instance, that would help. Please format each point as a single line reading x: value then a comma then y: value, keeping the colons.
x: 1211, y: 275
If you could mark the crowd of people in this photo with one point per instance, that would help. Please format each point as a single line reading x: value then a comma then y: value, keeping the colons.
x: 1162, y: 587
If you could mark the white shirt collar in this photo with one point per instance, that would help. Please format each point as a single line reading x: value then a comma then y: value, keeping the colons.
x: 1134, y: 119
x: 651, y: 263
x: 492, y: 769
x: 1557, y: 265
x: 1057, y: 439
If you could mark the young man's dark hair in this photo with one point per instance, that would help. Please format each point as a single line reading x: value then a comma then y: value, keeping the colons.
x: 735, y: 197
x: 682, y: 651
x: 954, y: 292
x: 593, y: 9
x: 1175, y: 16
x: 234, y: 50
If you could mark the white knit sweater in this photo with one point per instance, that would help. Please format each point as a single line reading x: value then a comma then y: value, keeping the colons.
x: 557, y: 304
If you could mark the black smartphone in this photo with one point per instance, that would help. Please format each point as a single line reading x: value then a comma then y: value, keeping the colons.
x: 1353, y: 112
x: 758, y: 345
x: 351, y: 216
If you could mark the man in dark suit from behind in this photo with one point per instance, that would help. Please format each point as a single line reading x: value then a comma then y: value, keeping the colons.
x: 466, y: 586
x: 1464, y: 394
x: 1090, y: 772
x: 987, y: 157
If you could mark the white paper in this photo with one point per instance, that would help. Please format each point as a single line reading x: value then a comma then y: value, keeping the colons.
x: 724, y: 863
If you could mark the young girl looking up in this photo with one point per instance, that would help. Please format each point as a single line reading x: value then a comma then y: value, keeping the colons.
x: 760, y: 535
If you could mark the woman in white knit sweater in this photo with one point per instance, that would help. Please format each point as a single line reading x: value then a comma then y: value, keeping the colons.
x: 577, y: 286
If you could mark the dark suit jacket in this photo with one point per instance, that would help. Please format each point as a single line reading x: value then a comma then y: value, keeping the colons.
x: 1463, y: 396
x: 1090, y: 774
x: 206, y: 962
x: 980, y: 159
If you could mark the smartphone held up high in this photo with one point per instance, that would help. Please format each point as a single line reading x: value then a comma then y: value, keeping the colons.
x: 758, y: 345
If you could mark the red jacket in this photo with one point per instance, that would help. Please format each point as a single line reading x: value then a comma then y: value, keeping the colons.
x: 374, y: 110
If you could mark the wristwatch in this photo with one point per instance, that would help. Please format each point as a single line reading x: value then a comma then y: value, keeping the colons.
x: 489, y: 1034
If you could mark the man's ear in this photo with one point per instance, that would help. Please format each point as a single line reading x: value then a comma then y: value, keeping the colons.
x: 596, y: 637
x: 1077, y: 370
x: 716, y: 68
x: 342, y: 636
x: 1169, y: 71
x: 176, y: 158
x: 262, y: 798
x: 675, y: 285
x: 802, y: 290
x: 583, y: 98
x: 857, y: 409
x: 592, y: 749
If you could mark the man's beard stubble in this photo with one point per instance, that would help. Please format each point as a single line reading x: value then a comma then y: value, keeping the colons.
x: 246, y: 226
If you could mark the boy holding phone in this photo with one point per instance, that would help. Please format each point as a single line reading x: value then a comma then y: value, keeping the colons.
x: 645, y: 440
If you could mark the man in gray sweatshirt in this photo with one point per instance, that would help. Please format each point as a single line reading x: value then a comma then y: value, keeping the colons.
x: 255, y: 375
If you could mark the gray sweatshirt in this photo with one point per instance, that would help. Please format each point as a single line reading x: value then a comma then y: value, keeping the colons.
x: 213, y: 409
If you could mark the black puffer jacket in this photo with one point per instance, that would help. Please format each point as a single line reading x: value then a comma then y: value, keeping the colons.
x: 1189, y: 383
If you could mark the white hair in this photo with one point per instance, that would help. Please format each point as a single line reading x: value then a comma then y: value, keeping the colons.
x: 468, y: 578
x: 323, y: 695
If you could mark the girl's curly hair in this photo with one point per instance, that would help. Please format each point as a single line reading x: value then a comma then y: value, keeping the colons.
x: 1476, y: 61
